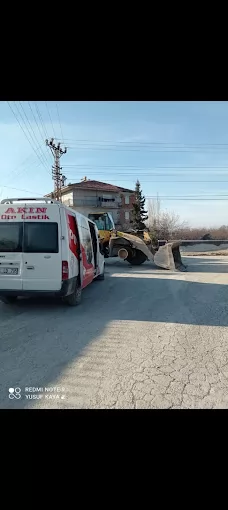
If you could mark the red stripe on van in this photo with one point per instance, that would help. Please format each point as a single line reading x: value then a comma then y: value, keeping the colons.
x: 72, y: 234
x: 88, y: 269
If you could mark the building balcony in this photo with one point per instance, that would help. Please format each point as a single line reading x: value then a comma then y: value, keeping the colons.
x: 96, y: 202
x: 109, y: 204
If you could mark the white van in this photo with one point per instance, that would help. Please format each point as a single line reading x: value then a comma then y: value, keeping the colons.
x: 46, y: 248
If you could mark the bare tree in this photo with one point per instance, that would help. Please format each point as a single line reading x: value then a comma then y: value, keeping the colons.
x: 163, y: 224
x: 197, y: 233
x: 154, y: 213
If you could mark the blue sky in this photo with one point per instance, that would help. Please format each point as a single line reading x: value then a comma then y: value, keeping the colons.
x: 118, y: 142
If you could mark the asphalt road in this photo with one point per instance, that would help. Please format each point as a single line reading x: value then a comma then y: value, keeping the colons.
x: 142, y: 338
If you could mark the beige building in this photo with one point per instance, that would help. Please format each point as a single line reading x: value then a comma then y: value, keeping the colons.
x: 90, y: 196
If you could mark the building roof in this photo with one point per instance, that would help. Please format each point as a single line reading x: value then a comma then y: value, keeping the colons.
x: 95, y: 185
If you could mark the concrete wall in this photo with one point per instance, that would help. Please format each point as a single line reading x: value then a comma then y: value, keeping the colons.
x: 67, y: 199
x: 201, y: 246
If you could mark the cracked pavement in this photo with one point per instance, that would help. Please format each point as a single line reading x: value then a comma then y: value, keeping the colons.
x: 143, y: 338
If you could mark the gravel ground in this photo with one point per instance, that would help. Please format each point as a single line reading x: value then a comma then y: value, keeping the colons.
x: 142, y: 338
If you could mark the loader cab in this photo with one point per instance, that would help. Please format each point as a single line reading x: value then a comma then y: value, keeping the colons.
x: 103, y: 221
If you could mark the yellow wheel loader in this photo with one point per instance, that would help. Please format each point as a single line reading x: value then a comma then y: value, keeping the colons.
x: 136, y: 247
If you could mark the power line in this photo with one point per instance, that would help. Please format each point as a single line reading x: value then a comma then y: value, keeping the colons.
x: 136, y: 175
x: 199, y: 195
x: 15, y: 171
x: 34, y: 136
x: 155, y: 149
x: 127, y: 146
x: 59, y: 122
x: 41, y: 120
x: 50, y: 119
x: 148, y: 180
x: 20, y: 165
x: 116, y: 142
x: 164, y: 151
x: 142, y: 168
x: 20, y: 189
x: 24, y: 170
x: 147, y: 196
x: 26, y: 135
x: 41, y: 134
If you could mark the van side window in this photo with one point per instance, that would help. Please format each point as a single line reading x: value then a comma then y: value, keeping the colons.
x: 11, y: 236
x: 86, y: 240
x: 41, y: 237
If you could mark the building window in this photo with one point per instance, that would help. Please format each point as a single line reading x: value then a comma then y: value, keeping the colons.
x: 127, y: 201
x: 105, y: 199
x: 127, y: 215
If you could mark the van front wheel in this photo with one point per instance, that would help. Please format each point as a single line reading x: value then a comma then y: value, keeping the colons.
x: 75, y: 298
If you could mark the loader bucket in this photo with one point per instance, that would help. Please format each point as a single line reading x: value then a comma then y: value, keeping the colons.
x: 169, y: 257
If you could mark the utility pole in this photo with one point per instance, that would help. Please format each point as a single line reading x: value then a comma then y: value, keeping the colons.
x: 58, y: 178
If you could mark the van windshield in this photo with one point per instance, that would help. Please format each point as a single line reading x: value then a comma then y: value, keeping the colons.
x: 29, y: 237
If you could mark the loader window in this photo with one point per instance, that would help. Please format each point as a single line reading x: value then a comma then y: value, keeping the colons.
x: 94, y: 241
x: 109, y: 224
x: 102, y: 221
x: 41, y: 238
x: 11, y: 236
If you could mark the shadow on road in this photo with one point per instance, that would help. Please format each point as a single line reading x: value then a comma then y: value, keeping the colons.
x: 47, y: 336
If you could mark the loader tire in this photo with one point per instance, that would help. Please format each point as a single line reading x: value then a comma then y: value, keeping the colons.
x: 138, y: 259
